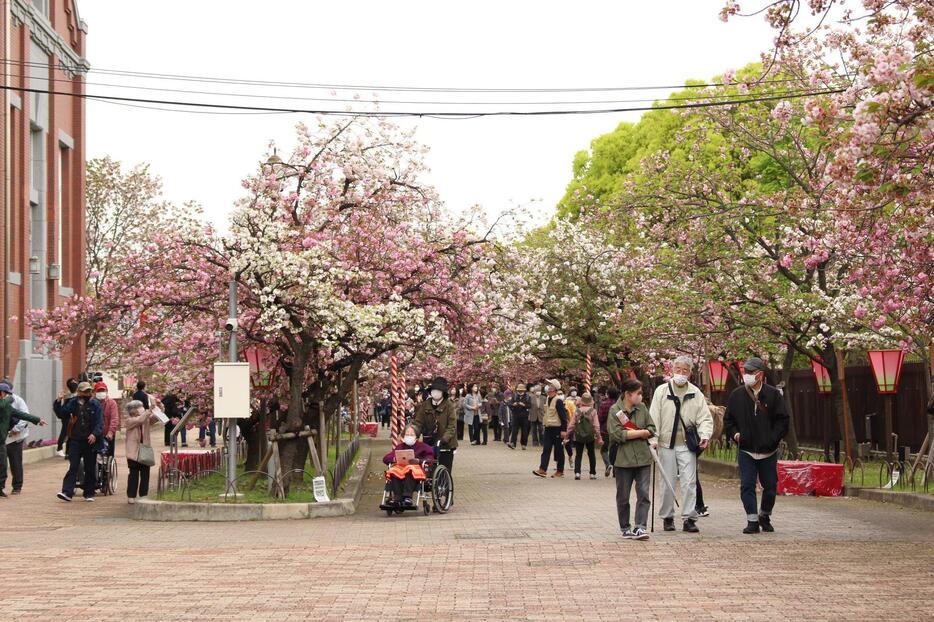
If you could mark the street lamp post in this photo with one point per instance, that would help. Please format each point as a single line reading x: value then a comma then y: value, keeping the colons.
x: 887, y: 371
x: 232, y: 357
x: 719, y: 374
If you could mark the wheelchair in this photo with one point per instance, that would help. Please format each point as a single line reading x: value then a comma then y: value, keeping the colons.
x: 436, y: 492
x: 106, y: 471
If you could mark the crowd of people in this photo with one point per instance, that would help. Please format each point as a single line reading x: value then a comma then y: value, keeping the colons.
x: 670, y: 432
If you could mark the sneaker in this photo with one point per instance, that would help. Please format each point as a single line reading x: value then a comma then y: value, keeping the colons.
x: 577, y: 476
x: 540, y: 473
x: 593, y: 476
x: 690, y: 526
x: 639, y: 534
x: 669, y: 524
x: 407, y: 502
x: 627, y: 533
x: 60, y: 453
x: 63, y: 496
x: 510, y: 446
x: 523, y: 448
x: 89, y: 499
x: 131, y: 500
x: 2, y: 495
x: 558, y: 474
x: 703, y: 511
x: 608, y: 470
x: 765, y: 523
x: 751, y: 527
x: 17, y: 491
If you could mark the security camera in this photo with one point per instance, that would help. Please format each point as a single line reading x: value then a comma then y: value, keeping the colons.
x: 231, y: 324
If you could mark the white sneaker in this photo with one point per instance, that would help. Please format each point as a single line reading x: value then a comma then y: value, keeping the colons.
x: 89, y: 499
x: 131, y: 500
x: 639, y: 534
x: 60, y: 453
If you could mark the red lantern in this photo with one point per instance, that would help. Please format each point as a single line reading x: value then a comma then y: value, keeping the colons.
x: 822, y: 375
x: 887, y: 369
x: 719, y: 374
x: 262, y: 365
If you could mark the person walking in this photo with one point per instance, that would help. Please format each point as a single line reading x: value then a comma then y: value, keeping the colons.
x: 111, y: 415
x: 584, y: 427
x: 137, y: 425
x: 535, y: 413
x: 756, y: 420
x: 491, y: 409
x: 14, y: 417
x: 555, y: 420
x: 473, y: 404
x: 435, y: 421
x: 459, y: 399
x: 610, y: 397
x: 520, y: 405
x: 676, y: 406
x: 86, y: 426
x: 72, y: 386
x: 632, y: 430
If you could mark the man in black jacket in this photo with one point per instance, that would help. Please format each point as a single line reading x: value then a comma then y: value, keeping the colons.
x: 756, y: 420
x: 520, y: 404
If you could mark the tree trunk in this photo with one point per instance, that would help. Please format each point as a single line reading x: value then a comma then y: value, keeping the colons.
x: 293, y: 453
x: 829, y: 358
x: 255, y: 437
x: 792, y: 437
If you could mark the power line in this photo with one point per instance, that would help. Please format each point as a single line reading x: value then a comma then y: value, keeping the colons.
x: 723, y: 96
x: 393, y: 88
x: 434, y: 114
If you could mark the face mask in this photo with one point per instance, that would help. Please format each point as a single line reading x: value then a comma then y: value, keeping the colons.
x: 635, y: 398
x: 436, y: 395
x: 749, y: 379
x: 409, y: 440
x: 100, y: 396
x: 680, y: 379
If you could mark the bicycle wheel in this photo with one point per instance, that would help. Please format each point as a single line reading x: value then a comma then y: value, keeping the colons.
x: 442, y: 489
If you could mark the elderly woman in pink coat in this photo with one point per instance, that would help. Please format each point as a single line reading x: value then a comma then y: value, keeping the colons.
x: 136, y: 425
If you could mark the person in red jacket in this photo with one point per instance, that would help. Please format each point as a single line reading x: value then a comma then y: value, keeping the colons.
x: 111, y: 415
x: 403, y: 478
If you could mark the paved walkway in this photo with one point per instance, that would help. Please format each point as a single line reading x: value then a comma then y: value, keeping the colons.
x: 513, y: 547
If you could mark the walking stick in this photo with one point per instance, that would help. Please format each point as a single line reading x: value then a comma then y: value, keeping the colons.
x: 652, y: 509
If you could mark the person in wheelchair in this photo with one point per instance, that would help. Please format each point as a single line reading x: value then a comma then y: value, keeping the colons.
x: 402, y: 477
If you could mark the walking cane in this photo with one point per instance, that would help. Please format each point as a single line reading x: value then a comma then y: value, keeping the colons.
x: 652, y: 509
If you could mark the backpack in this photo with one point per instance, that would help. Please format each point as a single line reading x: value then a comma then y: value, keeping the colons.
x: 584, y: 430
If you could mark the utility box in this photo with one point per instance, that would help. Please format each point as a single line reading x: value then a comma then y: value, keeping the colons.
x: 231, y: 390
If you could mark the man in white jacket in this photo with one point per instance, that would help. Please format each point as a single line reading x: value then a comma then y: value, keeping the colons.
x: 675, y: 406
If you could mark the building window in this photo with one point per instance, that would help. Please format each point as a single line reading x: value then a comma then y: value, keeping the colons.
x: 42, y: 5
x: 61, y: 202
x: 37, y: 159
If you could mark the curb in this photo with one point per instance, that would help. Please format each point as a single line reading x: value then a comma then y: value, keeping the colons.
x: 725, y: 470
x: 38, y: 454
x: 925, y: 503
x: 179, y: 511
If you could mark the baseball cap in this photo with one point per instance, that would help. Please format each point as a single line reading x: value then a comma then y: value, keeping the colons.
x: 755, y: 364
x: 84, y: 386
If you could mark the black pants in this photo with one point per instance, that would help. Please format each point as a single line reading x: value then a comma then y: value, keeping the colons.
x: 479, y: 432
x: 78, y: 450
x: 168, y: 433
x: 699, y: 504
x: 137, y: 479
x: 766, y: 472
x: 14, y: 454
x: 446, y: 457
x: 494, y: 423
x: 605, y: 450
x: 537, y: 433
x: 460, y: 429
x: 520, y: 423
x: 551, y: 441
x: 62, y: 433
x: 401, y: 488
x: 579, y: 456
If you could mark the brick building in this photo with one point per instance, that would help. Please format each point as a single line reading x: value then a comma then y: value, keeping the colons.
x: 42, y: 136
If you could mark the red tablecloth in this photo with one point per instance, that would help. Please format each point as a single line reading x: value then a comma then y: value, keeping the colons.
x: 370, y: 428
x: 810, y: 478
x: 191, y: 461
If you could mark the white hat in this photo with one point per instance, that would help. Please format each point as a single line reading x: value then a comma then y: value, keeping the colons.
x: 556, y: 384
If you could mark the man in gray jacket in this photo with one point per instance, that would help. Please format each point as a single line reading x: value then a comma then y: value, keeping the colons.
x: 535, y: 413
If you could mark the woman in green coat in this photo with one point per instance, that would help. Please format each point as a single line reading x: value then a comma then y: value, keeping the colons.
x: 630, y: 428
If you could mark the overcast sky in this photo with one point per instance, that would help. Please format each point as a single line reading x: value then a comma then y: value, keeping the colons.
x: 493, y: 162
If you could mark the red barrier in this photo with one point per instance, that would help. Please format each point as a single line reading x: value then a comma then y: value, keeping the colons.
x: 810, y: 478
x: 191, y: 462
x: 370, y: 428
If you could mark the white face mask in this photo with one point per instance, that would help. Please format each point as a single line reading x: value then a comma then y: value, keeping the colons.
x: 409, y: 440
x: 100, y: 396
x: 635, y: 398
x: 749, y: 379
x: 680, y: 379
x: 436, y: 395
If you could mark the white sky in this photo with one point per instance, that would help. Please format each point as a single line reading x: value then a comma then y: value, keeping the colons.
x: 493, y: 162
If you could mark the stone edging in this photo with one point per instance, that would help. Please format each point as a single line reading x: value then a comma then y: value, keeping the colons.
x: 173, y: 511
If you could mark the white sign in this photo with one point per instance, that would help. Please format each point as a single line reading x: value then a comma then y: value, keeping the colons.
x: 321, y: 489
x: 231, y: 390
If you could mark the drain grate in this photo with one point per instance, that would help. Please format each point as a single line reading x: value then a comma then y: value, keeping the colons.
x: 503, y: 534
x: 548, y: 563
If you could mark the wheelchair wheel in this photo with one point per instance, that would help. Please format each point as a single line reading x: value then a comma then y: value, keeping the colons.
x: 442, y: 489
x: 426, y: 508
x: 112, y: 475
x: 390, y: 512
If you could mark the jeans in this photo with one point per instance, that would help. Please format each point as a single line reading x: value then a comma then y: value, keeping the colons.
x: 210, y: 429
x: 78, y: 449
x: 14, y: 454
x: 680, y: 464
x: 537, y: 434
x: 137, y: 479
x: 552, y: 441
x: 605, y: 451
x: 625, y: 477
x: 62, y: 433
x: 579, y: 457
x: 168, y: 433
x: 521, y: 424
x: 766, y: 471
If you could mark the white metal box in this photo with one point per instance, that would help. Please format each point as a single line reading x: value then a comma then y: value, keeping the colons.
x: 231, y: 390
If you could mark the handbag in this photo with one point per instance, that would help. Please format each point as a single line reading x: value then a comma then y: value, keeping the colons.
x: 691, y: 437
x: 146, y: 455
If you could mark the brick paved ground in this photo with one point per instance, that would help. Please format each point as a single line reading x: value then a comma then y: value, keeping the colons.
x: 514, y: 547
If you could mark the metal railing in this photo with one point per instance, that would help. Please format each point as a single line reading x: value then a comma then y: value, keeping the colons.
x: 343, y: 462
